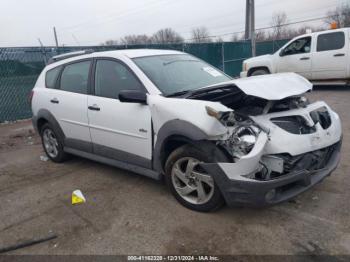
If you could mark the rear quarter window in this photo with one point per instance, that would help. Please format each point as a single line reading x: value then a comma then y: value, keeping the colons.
x: 51, y: 77
x: 330, y: 41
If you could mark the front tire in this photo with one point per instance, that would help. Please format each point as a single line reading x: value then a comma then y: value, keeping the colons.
x: 52, y: 144
x: 190, y: 184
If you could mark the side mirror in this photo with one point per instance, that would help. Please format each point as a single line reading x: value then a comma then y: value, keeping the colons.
x: 282, y: 52
x: 132, y: 96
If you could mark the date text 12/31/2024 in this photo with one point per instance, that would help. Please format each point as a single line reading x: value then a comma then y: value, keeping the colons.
x: 173, y: 258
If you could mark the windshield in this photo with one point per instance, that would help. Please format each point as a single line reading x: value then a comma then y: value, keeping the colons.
x: 177, y: 73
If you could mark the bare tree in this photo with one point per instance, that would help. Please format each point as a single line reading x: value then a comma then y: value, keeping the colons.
x: 110, y: 42
x: 219, y: 39
x: 201, y: 35
x: 341, y: 15
x: 237, y: 37
x: 135, y: 40
x: 166, y: 36
x: 278, y: 23
x: 260, y: 36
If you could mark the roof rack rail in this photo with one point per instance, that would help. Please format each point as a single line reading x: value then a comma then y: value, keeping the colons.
x: 69, y: 55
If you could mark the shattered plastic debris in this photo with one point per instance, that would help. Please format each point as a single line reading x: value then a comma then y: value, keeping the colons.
x: 78, y: 197
x: 44, y: 158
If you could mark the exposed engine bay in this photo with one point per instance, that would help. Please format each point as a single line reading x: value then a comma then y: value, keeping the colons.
x: 244, y: 130
x: 234, y: 98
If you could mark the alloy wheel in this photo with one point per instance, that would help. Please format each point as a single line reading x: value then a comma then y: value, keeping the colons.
x: 50, y: 143
x: 191, y: 182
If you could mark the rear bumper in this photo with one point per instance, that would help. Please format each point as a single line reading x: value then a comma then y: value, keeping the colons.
x: 250, y: 192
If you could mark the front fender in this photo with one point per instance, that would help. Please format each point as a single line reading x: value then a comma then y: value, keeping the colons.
x: 170, y: 129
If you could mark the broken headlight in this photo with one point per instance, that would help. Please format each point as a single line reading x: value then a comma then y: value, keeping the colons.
x: 241, y: 141
x: 243, y: 135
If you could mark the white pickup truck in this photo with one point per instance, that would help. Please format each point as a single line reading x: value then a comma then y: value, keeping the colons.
x: 322, y: 57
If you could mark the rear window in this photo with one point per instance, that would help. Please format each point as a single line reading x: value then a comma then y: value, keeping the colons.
x: 330, y: 41
x: 51, y: 77
x: 75, y: 76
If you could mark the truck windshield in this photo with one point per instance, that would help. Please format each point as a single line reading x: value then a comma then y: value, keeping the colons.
x: 178, y: 73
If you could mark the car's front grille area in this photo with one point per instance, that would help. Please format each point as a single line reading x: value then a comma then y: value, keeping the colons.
x: 298, y: 125
x: 293, y: 124
x: 309, y: 161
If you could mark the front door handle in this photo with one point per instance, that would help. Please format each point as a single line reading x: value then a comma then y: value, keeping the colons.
x: 305, y: 58
x: 54, y: 100
x: 94, y: 108
x: 336, y: 55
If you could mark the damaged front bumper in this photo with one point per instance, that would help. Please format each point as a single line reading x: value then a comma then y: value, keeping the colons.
x: 250, y: 192
x: 291, y: 175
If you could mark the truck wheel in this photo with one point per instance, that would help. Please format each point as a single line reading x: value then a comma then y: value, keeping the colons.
x: 190, y: 184
x: 259, y: 72
x: 52, y: 145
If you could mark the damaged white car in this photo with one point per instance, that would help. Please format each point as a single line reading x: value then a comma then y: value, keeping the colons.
x: 255, y: 141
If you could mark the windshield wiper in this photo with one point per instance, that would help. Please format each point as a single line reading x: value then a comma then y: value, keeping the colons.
x: 180, y: 60
x: 179, y: 93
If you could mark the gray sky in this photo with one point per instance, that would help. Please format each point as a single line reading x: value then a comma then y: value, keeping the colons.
x: 90, y: 22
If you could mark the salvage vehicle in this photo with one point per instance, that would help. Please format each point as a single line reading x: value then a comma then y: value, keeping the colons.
x: 321, y: 57
x: 166, y: 114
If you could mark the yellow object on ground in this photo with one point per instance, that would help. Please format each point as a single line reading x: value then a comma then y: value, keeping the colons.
x: 78, y: 197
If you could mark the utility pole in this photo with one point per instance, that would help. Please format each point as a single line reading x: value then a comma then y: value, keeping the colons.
x: 247, y: 20
x: 250, y: 24
x: 55, y: 34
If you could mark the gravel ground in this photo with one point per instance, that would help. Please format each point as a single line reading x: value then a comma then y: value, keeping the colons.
x: 129, y: 214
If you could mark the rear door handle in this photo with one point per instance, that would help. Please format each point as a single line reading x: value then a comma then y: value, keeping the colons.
x: 54, y: 101
x: 305, y: 58
x: 336, y: 55
x: 94, y: 108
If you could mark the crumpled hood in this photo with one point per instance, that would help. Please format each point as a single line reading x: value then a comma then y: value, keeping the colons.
x: 270, y: 87
x: 274, y: 86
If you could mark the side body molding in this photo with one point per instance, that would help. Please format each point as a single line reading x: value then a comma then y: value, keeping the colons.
x: 171, y: 129
x: 67, y: 142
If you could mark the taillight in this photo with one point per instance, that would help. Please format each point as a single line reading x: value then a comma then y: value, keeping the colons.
x: 30, y: 96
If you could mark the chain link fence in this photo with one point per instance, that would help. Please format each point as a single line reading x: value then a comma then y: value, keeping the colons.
x: 20, y: 66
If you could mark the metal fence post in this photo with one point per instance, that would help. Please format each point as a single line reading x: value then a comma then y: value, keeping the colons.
x: 223, y: 56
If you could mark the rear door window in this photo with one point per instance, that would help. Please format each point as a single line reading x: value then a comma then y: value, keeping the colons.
x: 330, y: 41
x: 75, y: 77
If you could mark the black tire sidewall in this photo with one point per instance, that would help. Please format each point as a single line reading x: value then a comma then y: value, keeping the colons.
x: 259, y: 70
x: 189, y: 151
x: 61, y: 156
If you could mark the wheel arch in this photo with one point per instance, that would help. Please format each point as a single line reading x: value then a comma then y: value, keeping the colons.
x: 251, y: 70
x: 177, y: 133
x: 44, y: 116
x: 171, y: 135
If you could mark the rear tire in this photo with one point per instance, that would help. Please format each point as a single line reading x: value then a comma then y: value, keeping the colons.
x: 191, y: 185
x: 52, y: 144
x: 259, y: 72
